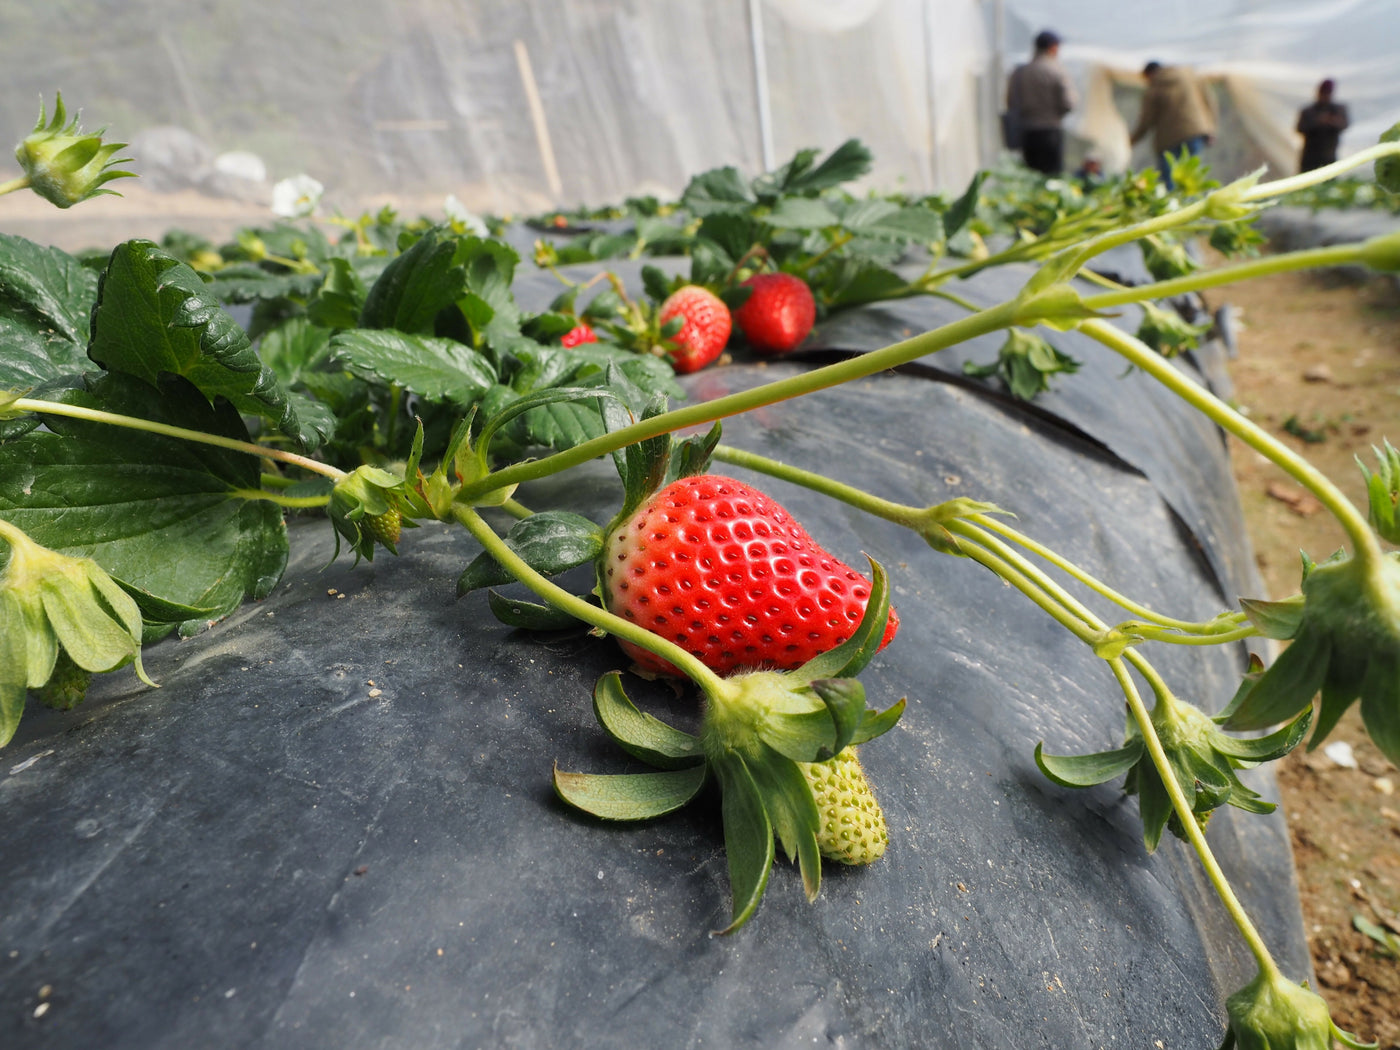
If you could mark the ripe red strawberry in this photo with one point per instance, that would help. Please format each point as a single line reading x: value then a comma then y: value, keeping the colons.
x: 719, y: 568
x: 778, y: 315
x: 580, y: 333
x: 705, y: 330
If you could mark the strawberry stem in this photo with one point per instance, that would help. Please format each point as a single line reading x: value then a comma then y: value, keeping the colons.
x: 93, y: 415
x: 589, y: 613
x: 1332, y: 255
x: 1364, y: 541
x: 1222, y: 629
x: 911, y: 349
x: 1250, y: 934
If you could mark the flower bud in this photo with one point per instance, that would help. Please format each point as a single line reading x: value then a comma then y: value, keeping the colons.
x: 63, y: 164
x: 1273, y: 1013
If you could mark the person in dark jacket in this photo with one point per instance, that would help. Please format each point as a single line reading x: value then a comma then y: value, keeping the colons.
x: 1321, y: 125
x: 1039, y: 95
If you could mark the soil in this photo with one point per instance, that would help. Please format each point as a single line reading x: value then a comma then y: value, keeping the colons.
x: 1319, y: 367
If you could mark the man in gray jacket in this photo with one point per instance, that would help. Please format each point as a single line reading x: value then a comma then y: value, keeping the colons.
x: 1038, y: 95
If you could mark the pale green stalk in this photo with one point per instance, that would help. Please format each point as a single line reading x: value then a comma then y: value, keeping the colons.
x: 93, y: 415
x: 1189, y: 824
x: 1328, y: 494
x: 587, y: 612
x: 744, y: 401
x: 917, y: 519
x: 1332, y: 255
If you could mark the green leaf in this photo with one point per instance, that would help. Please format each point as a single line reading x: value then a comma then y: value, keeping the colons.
x: 178, y: 533
x: 155, y: 316
x: 630, y: 796
x: 886, y: 220
x: 855, y: 281
x: 721, y: 189
x: 1081, y: 771
x: 293, y: 348
x: 550, y: 542
x: 748, y: 839
x: 1286, y: 687
x: 528, y: 616
x: 802, y: 213
x: 1279, y: 620
x: 965, y: 207
x: 14, y: 668
x: 341, y: 298
x: 417, y: 286
x: 46, y: 298
x: 639, y: 734
x: 433, y: 368
x: 846, y: 162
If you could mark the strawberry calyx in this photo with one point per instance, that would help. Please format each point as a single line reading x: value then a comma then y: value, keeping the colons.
x: 367, y: 508
x: 758, y: 733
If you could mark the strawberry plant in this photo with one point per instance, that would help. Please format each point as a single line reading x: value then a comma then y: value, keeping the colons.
x: 152, y: 447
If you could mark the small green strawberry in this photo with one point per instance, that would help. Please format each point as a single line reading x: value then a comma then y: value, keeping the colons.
x: 853, y: 827
x: 386, y: 527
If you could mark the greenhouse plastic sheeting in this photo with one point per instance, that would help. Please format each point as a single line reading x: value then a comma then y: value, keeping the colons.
x: 523, y: 106
x: 332, y: 826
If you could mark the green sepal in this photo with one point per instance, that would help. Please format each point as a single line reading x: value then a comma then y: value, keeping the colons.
x: 528, y: 616
x: 850, y: 657
x: 640, y: 734
x: 14, y: 671
x: 1279, y: 620
x: 1081, y: 771
x: 1252, y: 675
x: 1380, y: 705
x: 1383, y: 491
x: 691, y: 456
x: 1248, y: 751
x: 1286, y: 687
x: 1154, y: 804
x: 845, y: 702
x: 748, y: 839
x: 787, y: 798
x: 630, y: 796
x: 550, y: 542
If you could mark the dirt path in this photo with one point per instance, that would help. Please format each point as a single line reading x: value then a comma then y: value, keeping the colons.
x: 1319, y: 367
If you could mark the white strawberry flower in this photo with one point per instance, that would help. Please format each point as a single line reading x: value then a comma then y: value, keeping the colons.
x: 296, y: 197
x: 460, y: 215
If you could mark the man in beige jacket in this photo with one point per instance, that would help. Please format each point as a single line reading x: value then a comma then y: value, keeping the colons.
x: 1178, y: 111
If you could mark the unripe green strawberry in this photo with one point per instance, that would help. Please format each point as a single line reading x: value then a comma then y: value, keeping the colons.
x: 853, y: 827
x: 779, y: 313
x: 386, y: 527
x: 723, y: 571
x: 704, y: 331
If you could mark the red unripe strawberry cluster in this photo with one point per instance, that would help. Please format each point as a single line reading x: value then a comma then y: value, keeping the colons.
x: 723, y: 571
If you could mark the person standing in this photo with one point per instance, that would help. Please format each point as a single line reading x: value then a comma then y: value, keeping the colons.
x: 1321, y: 125
x: 1179, y: 113
x: 1038, y: 96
